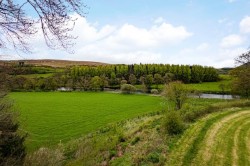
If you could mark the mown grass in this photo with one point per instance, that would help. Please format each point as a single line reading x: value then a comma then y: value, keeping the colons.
x: 229, y: 142
x: 244, y: 157
x: 219, y: 139
x: 197, y: 143
x: 54, y: 117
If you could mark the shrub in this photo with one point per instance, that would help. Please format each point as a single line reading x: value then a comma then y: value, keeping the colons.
x: 173, y: 123
x: 177, y: 93
x: 197, y: 93
x: 12, y: 149
x: 124, y: 82
x: 154, y: 91
x: 127, y: 88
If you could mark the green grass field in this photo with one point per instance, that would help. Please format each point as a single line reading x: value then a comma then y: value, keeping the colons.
x: 218, y: 139
x: 213, y: 87
x: 51, y: 117
x: 204, y: 87
x: 210, y: 87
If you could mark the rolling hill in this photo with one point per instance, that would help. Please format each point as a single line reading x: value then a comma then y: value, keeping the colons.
x: 50, y: 62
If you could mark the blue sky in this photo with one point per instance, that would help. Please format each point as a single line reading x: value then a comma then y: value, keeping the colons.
x: 206, y: 32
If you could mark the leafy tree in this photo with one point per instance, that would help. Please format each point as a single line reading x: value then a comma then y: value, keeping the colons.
x: 19, y: 82
x: 6, y: 81
x: 197, y: 74
x: 127, y: 88
x: 154, y: 91
x: 142, y: 79
x: 158, y: 79
x: 84, y: 82
x: 30, y: 84
x: 71, y: 83
x: 241, y: 83
x: 104, y: 82
x: 116, y: 73
x: 113, y: 80
x: 149, y: 79
x: 210, y: 74
x: 96, y: 83
x: 12, y: 150
x: 177, y: 93
x: 132, y: 79
x: 186, y: 73
x: 50, y: 83
x: 168, y: 78
x: 124, y: 82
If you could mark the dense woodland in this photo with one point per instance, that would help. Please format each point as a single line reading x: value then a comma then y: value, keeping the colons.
x: 185, y: 73
x: 104, y: 76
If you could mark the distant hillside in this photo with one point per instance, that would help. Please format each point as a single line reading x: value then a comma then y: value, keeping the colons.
x: 225, y: 70
x: 51, y: 62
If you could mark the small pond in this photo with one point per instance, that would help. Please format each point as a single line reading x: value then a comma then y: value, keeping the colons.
x: 218, y: 96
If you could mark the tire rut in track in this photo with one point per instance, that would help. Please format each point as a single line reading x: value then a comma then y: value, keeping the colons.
x: 247, y: 139
x: 217, y: 152
x: 205, y: 142
x: 243, y: 157
x: 224, y: 147
x: 183, y: 144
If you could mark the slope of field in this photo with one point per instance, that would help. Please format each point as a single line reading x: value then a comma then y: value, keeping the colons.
x: 52, y: 62
x: 219, y: 139
x: 52, y: 117
x: 213, y: 87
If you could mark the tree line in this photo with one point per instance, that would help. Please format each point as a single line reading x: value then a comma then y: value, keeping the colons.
x: 133, y: 74
x: 109, y: 76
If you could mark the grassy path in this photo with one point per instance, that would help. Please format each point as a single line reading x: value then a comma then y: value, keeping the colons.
x: 219, y: 139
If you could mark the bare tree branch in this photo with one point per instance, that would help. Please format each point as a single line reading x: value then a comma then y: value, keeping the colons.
x: 52, y: 16
x: 243, y: 59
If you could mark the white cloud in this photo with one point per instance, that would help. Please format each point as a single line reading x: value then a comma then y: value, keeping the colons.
x: 203, y: 46
x: 122, y: 58
x: 231, y: 1
x: 223, y: 20
x: 231, y: 41
x: 125, y: 44
x: 245, y: 25
x: 225, y: 57
x: 159, y: 20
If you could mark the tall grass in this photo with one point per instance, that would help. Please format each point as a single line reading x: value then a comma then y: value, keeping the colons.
x: 192, y: 113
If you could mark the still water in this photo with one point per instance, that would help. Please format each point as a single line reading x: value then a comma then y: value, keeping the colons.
x: 218, y: 96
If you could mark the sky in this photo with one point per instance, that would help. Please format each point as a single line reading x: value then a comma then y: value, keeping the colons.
x: 204, y: 32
